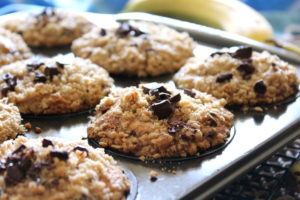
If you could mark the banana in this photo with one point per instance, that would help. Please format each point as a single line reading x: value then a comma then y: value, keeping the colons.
x: 229, y: 15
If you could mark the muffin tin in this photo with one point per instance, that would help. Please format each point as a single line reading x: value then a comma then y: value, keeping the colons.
x: 258, y: 134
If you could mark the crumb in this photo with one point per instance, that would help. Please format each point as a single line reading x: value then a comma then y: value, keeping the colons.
x: 174, y: 172
x: 37, y: 130
x: 153, y: 175
x: 27, y: 125
x: 142, y: 158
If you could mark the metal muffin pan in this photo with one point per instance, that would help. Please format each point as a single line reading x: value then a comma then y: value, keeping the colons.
x: 258, y: 134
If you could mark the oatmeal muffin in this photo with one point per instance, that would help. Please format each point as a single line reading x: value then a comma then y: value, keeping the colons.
x: 241, y: 76
x: 10, y: 121
x: 156, y: 121
x: 51, y: 27
x: 12, y: 47
x: 136, y: 48
x: 53, y: 169
x: 46, y: 86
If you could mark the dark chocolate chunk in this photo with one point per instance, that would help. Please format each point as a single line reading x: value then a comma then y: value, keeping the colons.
x: 212, y: 122
x: 243, y: 52
x: 62, y: 155
x: 102, y: 32
x: 163, y: 96
x: 11, y: 82
x: 13, y: 175
x: 34, y: 65
x: 51, y: 71
x: 190, y: 93
x: 246, y: 69
x: 175, y: 98
x: 138, y: 32
x: 20, y: 149
x: 60, y: 65
x: 175, y: 127
x: 162, y: 109
x: 133, y: 133
x: 260, y: 87
x: 40, y: 78
x: 218, y: 53
x: 146, y: 90
x: 79, y: 148
x: 47, y: 12
x: 46, y: 143
x: 124, y: 29
x: 223, y: 77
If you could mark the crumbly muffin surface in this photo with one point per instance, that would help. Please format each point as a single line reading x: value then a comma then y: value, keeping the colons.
x: 12, y: 47
x: 46, y: 86
x: 136, y: 48
x: 244, y: 77
x: 51, y: 27
x: 160, y: 122
x: 10, y: 120
x: 55, y: 169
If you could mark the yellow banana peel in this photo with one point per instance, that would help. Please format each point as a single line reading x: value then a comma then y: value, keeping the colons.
x: 229, y: 15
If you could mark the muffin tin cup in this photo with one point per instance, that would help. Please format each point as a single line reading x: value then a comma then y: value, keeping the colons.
x: 203, y: 154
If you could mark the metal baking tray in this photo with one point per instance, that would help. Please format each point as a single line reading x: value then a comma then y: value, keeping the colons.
x: 258, y: 134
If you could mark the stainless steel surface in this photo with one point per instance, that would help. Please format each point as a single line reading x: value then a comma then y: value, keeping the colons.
x: 257, y: 134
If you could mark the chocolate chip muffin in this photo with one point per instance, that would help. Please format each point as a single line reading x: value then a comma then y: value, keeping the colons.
x: 52, y: 168
x: 46, y: 86
x: 157, y: 121
x: 50, y: 28
x: 241, y: 76
x: 10, y: 121
x: 136, y: 48
x: 12, y: 47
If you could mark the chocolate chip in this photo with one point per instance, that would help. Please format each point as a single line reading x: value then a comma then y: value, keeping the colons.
x: 175, y: 98
x: 13, y: 175
x: 47, y: 12
x: 163, y: 96
x: 79, y: 148
x: 20, y: 149
x: 189, y: 93
x: 102, y: 32
x: 162, y: 109
x: 46, y: 143
x: 34, y: 65
x: 138, y: 32
x: 260, y: 87
x: 40, y: 78
x: 145, y: 90
x: 175, y: 127
x: 51, y: 71
x: 124, y: 29
x: 133, y: 133
x: 212, y: 122
x: 60, y: 65
x: 62, y: 155
x: 10, y: 80
x: 223, y: 77
x: 218, y: 53
x: 246, y: 69
x: 243, y: 52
